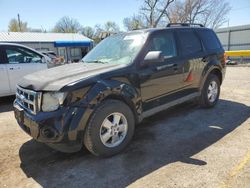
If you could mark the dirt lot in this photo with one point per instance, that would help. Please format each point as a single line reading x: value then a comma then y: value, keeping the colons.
x: 182, y: 147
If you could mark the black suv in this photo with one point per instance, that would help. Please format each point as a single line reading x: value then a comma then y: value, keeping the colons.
x: 124, y: 79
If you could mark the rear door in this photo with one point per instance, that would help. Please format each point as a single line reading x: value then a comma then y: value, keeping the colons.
x: 4, y: 79
x: 192, y: 53
x: 20, y: 62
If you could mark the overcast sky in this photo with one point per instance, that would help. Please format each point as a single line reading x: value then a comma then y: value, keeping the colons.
x: 44, y: 14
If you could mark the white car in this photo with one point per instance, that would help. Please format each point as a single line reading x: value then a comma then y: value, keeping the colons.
x: 17, y: 61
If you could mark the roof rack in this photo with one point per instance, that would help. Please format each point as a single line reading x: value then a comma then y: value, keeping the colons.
x: 185, y: 25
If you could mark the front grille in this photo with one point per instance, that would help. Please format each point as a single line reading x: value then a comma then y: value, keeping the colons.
x: 28, y: 99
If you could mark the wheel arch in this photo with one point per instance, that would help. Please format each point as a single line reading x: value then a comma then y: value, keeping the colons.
x: 211, y: 68
x: 115, y: 90
x: 218, y: 73
x: 125, y: 100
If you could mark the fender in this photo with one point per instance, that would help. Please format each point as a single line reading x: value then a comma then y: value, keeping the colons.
x: 210, y: 67
x: 109, y: 89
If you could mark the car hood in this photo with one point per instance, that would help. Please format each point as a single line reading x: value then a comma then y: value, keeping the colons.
x: 56, y: 78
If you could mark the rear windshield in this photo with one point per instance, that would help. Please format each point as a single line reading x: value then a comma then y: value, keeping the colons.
x: 209, y: 39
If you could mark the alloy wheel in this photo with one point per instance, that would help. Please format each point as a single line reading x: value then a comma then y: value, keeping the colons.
x: 113, y: 129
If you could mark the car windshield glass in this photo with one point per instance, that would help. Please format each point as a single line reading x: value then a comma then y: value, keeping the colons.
x: 117, y: 49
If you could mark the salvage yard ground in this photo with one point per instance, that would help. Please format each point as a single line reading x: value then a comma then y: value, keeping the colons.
x: 182, y: 147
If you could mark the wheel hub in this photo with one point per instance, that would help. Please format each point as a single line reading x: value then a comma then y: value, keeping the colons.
x: 212, y: 92
x: 113, y: 129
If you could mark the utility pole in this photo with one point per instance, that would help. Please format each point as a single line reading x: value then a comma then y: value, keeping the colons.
x: 19, y: 22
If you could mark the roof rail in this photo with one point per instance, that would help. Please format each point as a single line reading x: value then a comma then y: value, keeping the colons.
x: 185, y: 24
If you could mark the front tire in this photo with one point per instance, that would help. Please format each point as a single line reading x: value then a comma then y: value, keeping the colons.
x: 210, y: 92
x: 110, y: 128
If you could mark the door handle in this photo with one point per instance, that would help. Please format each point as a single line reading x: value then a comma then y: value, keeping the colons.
x: 12, y: 68
x: 171, y: 65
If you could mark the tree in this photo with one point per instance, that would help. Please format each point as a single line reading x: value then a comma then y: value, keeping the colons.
x: 135, y: 22
x: 211, y: 13
x: 112, y: 27
x: 88, y: 32
x: 153, y: 11
x: 15, y: 27
x: 98, y: 32
x: 67, y: 25
x: 150, y: 15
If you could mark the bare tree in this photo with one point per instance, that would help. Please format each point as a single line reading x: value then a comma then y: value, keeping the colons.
x: 98, y: 32
x: 217, y: 14
x: 14, y: 26
x: 153, y: 11
x: 211, y: 13
x: 150, y: 15
x: 67, y: 25
x: 110, y: 26
x: 88, y: 32
x: 135, y: 22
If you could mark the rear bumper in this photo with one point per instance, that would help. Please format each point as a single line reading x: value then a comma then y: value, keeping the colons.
x: 60, y: 129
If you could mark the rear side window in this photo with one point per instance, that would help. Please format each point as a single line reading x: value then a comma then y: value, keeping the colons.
x: 190, y: 43
x: 209, y: 39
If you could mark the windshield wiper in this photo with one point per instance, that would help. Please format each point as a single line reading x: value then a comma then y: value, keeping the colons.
x: 96, y: 61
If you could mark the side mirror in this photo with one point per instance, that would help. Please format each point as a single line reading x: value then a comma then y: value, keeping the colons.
x: 44, y: 60
x: 153, y: 57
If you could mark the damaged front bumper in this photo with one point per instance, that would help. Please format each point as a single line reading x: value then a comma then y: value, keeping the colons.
x: 61, y: 129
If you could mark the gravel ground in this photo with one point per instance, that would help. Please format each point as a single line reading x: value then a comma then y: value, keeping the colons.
x: 182, y: 147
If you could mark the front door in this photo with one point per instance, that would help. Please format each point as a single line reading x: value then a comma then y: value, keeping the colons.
x: 4, y: 79
x: 158, y: 81
x: 20, y: 62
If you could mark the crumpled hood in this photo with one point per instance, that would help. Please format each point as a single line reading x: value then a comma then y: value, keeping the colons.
x: 56, y: 78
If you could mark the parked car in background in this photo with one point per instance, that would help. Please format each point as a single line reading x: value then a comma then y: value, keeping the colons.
x: 17, y: 61
x: 230, y: 62
x: 124, y: 79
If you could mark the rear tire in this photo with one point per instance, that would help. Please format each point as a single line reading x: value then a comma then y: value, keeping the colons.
x: 210, y: 92
x: 110, y: 128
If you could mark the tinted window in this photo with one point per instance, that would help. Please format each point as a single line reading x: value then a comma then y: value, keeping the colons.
x: 190, y: 43
x: 22, y: 55
x: 209, y: 39
x: 1, y: 56
x: 164, y: 42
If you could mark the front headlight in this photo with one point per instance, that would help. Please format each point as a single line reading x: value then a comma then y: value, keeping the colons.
x: 52, y: 100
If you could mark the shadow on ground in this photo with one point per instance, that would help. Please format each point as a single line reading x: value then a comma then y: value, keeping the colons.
x: 170, y: 136
x: 6, y: 103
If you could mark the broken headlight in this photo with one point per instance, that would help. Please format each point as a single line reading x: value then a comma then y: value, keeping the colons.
x: 52, y: 100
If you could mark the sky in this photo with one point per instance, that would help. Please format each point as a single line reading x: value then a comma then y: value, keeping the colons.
x: 44, y: 14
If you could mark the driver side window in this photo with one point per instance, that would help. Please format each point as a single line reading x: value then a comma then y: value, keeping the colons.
x: 164, y: 42
x: 21, y: 55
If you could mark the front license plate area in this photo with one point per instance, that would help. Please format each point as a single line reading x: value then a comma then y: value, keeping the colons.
x: 19, y: 114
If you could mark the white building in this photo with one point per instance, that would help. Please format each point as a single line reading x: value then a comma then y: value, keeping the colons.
x: 235, y: 38
x: 72, y: 46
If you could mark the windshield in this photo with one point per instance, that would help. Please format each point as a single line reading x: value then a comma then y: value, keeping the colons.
x: 117, y: 49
